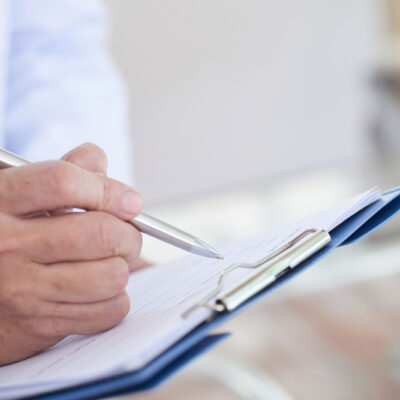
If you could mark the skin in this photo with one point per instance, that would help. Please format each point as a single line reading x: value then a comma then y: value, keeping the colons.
x: 65, y: 273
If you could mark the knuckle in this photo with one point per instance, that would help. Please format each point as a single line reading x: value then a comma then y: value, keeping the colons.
x: 137, y: 243
x: 119, y: 272
x: 19, y: 300
x: 14, y: 294
x: 122, y: 306
x: 15, y: 286
x: 113, y: 313
x: 62, y: 180
x: 91, y: 148
x: 131, y: 241
x: 10, y: 234
x: 110, y: 233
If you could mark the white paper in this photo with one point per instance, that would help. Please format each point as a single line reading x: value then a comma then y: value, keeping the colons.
x: 159, y: 295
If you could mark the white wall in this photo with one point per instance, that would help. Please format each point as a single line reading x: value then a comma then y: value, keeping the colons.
x: 226, y: 91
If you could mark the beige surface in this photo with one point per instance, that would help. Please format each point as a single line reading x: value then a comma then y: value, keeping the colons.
x: 337, y: 345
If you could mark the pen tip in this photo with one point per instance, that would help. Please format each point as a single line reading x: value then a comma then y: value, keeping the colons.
x: 205, y: 249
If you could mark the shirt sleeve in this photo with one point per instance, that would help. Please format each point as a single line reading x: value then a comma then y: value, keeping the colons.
x: 63, y: 89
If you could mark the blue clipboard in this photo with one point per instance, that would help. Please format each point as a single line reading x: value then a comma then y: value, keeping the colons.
x: 200, y: 339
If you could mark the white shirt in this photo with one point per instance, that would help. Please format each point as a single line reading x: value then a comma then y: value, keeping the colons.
x: 58, y: 86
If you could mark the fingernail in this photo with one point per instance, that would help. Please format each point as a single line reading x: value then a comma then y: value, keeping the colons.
x: 131, y: 202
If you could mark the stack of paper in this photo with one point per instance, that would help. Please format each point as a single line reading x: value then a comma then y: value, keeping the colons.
x: 159, y: 295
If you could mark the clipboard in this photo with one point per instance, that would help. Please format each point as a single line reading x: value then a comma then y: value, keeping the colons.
x: 274, y: 269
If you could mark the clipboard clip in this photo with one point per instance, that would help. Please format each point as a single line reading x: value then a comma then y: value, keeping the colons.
x: 268, y: 270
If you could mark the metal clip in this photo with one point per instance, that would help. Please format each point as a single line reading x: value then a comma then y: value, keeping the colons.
x: 274, y: 265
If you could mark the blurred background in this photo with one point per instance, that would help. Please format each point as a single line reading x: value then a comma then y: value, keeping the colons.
x: 246, y: 114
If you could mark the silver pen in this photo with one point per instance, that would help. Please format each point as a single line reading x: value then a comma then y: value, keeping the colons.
x: 143, y: 222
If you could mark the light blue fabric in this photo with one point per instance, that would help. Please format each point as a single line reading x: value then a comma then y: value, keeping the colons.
x: 58, y: 85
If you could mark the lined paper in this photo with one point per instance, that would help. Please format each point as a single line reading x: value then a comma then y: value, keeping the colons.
x: 159, y: 296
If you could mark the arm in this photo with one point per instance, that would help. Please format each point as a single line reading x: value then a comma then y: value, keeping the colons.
x: 62, y: 86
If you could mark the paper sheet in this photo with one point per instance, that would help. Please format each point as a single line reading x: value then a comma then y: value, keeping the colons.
x: 159, y: 295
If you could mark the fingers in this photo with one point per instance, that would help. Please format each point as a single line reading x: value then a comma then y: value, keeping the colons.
x: 87, y: 236
x: 84, y: 282
x: 81, y: 319
x: 60, y: 184
x: 88, y: 156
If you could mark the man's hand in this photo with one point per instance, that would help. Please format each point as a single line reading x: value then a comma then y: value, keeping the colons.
x: 64, y: 274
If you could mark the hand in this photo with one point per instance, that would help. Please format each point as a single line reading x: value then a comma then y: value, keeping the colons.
x: 64, y: 274
x: 90, y: 157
